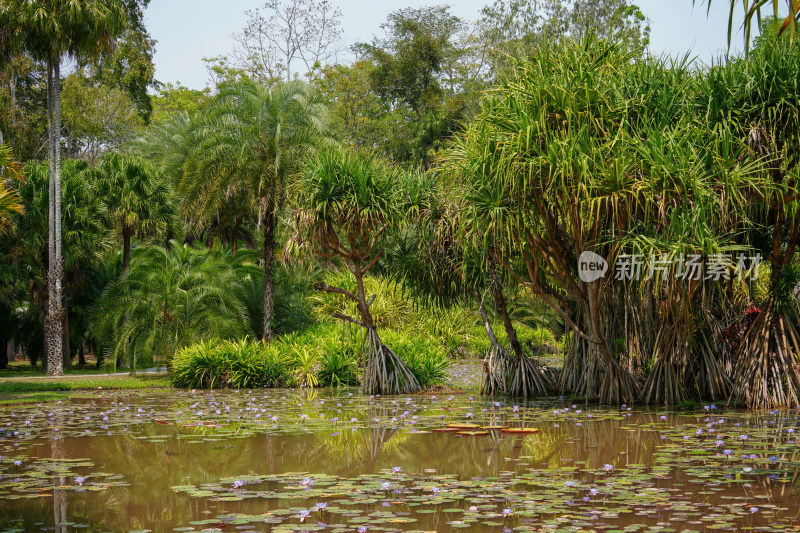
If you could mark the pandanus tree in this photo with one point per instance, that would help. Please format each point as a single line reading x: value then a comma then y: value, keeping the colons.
x: 137, y: 198
x: 753, y: 13
x: 758, y: 101
x: 48, y: 30
x: 351, y: 203
x: 246, y: 150
x: 443, y: 268
x: 547, y: 178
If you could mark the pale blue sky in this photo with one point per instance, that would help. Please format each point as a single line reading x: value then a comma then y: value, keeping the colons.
x: 188, y: 30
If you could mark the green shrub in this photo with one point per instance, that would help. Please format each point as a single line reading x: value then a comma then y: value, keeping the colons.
x: 334, y: 349
x: 238, y: 364
x: 425, y: 357
x: 338, y: 368
x: 305, y: 364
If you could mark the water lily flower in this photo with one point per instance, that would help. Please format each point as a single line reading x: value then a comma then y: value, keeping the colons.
x: 569, y: 483
x: 321, y: 505
x: 662, y: 417
x: 17, y: 463
x: 386, y: 485
x: 516, y: 408
x: 507, y: 512
x: 773, y: 458
x: 238, y: 484
x: 608, y: 468
x: 303, y: 514
x: 307, y: 482
x: 754, y: 509
x: 727, y: 452
x: 80, y: 480
x: 593, y: 491
x: 362, y: 529
x: 396, y: 469
x: 435, y: 490
x: 473, y: 509
x: 743, y: 437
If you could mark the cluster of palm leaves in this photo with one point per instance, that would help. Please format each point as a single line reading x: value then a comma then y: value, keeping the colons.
x: 170, y: 298
x: 9, y: 199
x: 233, y: 163
x: 590, y: 147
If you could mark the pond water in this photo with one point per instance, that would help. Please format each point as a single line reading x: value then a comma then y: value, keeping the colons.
x: 299, y: 460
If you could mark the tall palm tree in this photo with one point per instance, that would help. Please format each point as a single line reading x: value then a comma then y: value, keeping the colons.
x: 49, y: 30
x: 351, y: 204
x: 83, y: 228
x: 137, y: 198
x: 249, y: 147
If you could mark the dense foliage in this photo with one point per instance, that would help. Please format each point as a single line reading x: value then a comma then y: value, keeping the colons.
x: 433, y: 198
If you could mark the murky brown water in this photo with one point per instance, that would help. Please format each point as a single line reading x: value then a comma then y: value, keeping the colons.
x: 587, y: 469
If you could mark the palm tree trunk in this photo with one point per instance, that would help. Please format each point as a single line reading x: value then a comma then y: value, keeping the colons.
x: 3, y: 351
x: 126, y: 247
x: 235, y: 236
x: 54, y: 327
x: 269, y: 256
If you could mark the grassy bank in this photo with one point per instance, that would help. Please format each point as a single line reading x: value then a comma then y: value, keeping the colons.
x: 26, y: 390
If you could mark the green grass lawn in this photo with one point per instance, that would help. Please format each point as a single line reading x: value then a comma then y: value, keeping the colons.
x: 14, y: 390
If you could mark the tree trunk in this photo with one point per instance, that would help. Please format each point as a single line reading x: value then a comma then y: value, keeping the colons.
x: 127, y: 233
x: 67, y: 361
x: 269, y: 256
x: 502, y: 308
x: 235, y: 236
x: 54, y: 332
x: 3, y: 351
x: 487, y: 324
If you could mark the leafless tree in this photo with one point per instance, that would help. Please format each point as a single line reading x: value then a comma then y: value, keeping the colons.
x: 284, y: 33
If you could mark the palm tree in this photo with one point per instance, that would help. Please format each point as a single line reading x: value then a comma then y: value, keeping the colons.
x: 138, y: 199
x: 170, y: 298
x: 350, y: 204
x: 9, y: 199
x: 249, y: 147
x: 48, y: 30
x: 85, y: 238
